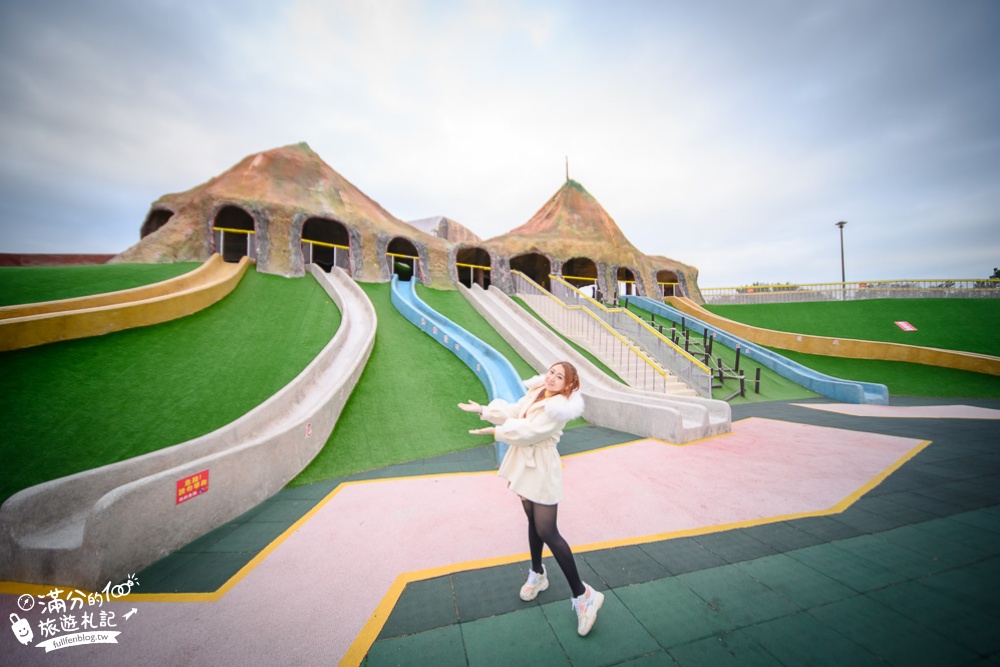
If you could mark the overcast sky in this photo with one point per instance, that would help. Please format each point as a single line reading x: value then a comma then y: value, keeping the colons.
x: 727, y: 134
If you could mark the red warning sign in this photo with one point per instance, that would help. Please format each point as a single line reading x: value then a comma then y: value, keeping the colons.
x: 906, y: 326
x: 192, y: 486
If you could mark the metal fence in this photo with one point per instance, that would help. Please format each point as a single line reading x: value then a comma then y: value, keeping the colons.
x: 852, y: 291
x: 689, y: 370
x: 628, y: 361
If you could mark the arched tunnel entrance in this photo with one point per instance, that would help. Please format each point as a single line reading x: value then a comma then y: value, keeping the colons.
x: 581, y: 273
x: 626, y: 282
x: 326, y: 243
x: 157, y: 218
x: 472, y: 265
x: 668, y: 283
x: 402, y: 258
x: 233, y: 233
x: 535, y: 266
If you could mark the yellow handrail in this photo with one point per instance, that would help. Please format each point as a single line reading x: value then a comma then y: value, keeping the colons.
x: 474, y: 266
x: 326, y: 245
x: 638, y: 319
x: 237, y: 231
x: 604, y: 324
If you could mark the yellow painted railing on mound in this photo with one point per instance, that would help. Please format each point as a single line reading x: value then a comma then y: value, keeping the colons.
x: 669, y: 355
x: 844, y: 347
x: 325, y: 244
x: 154, y: 304
x: 642, y: 371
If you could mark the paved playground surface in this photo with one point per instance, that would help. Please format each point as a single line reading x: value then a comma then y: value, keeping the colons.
x: 806, y: 536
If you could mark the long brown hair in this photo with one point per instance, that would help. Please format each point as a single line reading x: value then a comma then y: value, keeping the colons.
x: 571, y: 377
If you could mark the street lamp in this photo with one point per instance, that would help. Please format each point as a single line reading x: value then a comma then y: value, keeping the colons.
x: 843, y: 279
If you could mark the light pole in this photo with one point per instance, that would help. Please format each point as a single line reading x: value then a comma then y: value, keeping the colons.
x: 843, y: 279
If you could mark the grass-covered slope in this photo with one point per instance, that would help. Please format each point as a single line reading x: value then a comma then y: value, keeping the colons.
x: 33, y: 284
x: 79, y: 404
x: 404, y: 407
x: 970, y: 325
x: 773, y: 387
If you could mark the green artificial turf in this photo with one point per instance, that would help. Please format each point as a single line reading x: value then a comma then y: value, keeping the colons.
x: 33, y: 284
x: 586, y: 354
x: 969, y: 325
x: 457, y: 308
x: 404, y: 407
x: 904, y: 379
x: 75, y: 405
x: 773, y: 387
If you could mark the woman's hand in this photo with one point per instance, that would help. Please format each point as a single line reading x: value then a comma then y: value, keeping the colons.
x: 489, y: 430
x: 471, y: 406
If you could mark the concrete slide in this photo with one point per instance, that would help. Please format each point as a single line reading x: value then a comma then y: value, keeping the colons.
x: 675, y: 419
x: 50, y: 321
x: 97, y: 526
x: 845, y: 347
x: 847, y: 391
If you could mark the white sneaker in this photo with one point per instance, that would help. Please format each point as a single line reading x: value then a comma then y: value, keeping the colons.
x: 535, y: 584
x: 586, y: 607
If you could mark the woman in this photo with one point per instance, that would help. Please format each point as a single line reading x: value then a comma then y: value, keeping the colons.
x: 532, y: 427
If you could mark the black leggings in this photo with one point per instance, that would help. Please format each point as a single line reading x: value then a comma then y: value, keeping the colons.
x: 542, y: 529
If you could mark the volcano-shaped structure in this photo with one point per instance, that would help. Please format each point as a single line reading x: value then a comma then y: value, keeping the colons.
x: 574, y: 237
x: 286, y: 208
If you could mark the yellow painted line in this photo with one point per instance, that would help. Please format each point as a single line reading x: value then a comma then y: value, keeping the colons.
x: 369, y: 633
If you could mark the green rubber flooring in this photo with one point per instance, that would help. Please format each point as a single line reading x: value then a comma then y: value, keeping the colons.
x: 908, y: 575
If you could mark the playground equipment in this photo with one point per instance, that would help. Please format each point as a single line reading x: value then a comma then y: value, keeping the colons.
x: 665, y: 352
x: 589, y: 330
x: 97, y: 526
x: 677, y: 419
x: 847, y: 391
x: 845, y: 347
x: 492, y: 368
x: 50, y: 321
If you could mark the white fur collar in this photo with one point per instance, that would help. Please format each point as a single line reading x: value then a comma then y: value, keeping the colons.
x: 559, y: 407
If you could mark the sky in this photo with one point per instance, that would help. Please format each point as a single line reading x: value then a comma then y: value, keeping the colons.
x: 731, y: 135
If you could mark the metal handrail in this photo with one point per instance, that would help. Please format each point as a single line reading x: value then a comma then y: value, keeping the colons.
x: 681, y: 363
x: 638, y: 369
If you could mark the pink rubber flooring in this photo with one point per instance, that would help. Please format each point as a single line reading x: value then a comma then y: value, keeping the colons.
x: 911, y: 412
x: 309, y: 599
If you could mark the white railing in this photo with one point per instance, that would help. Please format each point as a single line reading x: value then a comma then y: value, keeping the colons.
x: 872, y: 289
x: 669, y: 355
x: 583, y: 326
x: 220, y: 241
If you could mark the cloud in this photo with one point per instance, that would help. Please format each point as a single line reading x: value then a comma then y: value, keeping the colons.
x: 730, y: 136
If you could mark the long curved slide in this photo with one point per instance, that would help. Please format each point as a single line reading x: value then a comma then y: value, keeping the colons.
x: 846, y: 391
x: 676, y: 419
x: 845, y: 347
x: 492, y: 368
x: 50, y: 321
x: 97, y: 526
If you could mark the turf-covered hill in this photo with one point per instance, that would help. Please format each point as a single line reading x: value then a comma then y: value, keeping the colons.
x: 954, y: 324
x: 77, y: 404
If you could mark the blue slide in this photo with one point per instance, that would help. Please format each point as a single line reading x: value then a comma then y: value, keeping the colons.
x: 846, y: 391
x: 492, y: 368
